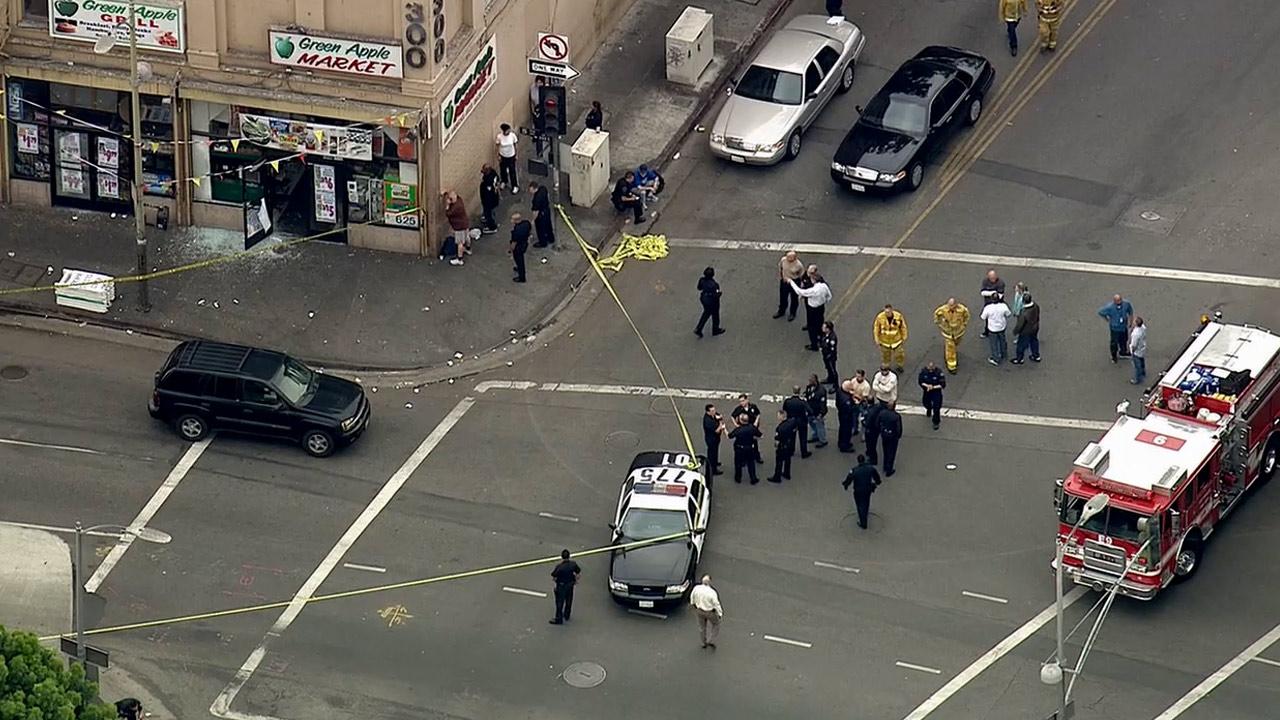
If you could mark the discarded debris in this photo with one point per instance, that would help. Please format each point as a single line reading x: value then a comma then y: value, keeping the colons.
x: 408, y: 406
x: 311, y: 314
x: 200, y: 301
x: 457, y: 356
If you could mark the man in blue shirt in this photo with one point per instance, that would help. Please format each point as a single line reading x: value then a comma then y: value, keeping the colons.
x: 1119, y: 317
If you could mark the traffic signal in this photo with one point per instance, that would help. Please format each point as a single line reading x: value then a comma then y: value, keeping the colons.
x: 552, y: 118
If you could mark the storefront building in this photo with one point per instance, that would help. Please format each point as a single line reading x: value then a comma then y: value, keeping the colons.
x: 342, y: 119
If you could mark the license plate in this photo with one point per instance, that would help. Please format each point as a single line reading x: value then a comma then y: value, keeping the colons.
x: 856, y: 186
x: 736, y: 159
x: 646, y: 603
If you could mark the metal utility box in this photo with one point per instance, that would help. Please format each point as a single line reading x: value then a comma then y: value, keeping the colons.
x: 690, y: 44
x: 589, y: 168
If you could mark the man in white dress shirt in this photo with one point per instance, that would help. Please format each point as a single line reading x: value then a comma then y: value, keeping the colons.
x: 706, y: 604
x: 816, y: 297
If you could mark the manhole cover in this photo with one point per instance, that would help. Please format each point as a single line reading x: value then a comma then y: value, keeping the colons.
x: 622, y: 438
x: 584, y: 674
x: 13, y: 372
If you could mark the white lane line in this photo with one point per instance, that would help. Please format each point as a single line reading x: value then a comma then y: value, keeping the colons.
x: 358, y: 566
x: 982, y: 259
x: 57, y: 529
x: 522, y: 591
x: 148, y: 511
x: 221, y: 706
x: 1266, y: 661
x: 833, y: 566
x: 553, y: 516
x: 646, y: 613
x: 1206, y: 686
x: 48, y: 446
x: 921, y: 668
x: 980, y: 596
x: 989, y: 658
x: 787, y: 641
x: 703, y: 394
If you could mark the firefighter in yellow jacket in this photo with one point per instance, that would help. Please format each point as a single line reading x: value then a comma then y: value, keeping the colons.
x: 1011, y: 11
x: 952, y: 318
x: 890, y: 330
x: 1050, y: 13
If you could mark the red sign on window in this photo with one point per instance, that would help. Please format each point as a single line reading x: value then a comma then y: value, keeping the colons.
x: 1168, y: 442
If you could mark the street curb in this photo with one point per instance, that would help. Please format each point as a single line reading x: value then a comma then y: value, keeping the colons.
x: 559, y: 315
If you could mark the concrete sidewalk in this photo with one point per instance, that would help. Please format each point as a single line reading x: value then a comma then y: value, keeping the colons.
x: 35, y: 596
x: 342, y: 307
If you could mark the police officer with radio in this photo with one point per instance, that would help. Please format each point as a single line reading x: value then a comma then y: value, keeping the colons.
x: 784, y: 442
x: 864, y: 479
x: 889, y: 422
x: 745, y: 448
x: 565, y: 574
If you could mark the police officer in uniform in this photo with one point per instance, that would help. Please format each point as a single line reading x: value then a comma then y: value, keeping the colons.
x: 709, y: 296
x: 864, y: 479
x: 784, y: 440
x: 1050, y: 13
x: 797, y: 409
x: 828, y: 343
x: 890, y: 424
x: 872, y: 426
x: 745, y: 448
x: 752, y: 411
x: 712, y: 432
x: 932, y: 381
x: 566, y: 575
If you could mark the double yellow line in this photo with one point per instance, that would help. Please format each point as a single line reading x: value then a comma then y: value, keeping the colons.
x: 1008, y: 102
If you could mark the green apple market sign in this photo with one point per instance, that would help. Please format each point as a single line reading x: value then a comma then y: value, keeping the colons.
x: 469, y: 91
x: 353, y: 57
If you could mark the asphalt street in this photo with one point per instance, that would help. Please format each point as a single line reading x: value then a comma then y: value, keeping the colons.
x: 937, y: 610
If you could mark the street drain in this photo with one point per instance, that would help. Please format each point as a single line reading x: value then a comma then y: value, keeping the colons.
x: 584, y: 674
x: 13, y: 372
x: 622, y: 438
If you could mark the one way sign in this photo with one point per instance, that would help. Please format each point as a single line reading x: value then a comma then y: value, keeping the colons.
x: 562, y: 71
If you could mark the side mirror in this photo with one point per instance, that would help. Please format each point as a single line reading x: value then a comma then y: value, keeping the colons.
x: 859, y: 109
x: 699, y: 531
x: 728, y: 89
x: 813, y: 95
x: 1175, y: 522
x: 1057, y: 494
x: 1144, y: 529
x: 613, y: 527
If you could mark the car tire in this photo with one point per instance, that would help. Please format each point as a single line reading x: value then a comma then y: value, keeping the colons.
x: 191, y: 427
x: 846, y: 79
x: 915, y: 176
x: 317, y: 443
x: 973, y: 113
x: 793, y: 145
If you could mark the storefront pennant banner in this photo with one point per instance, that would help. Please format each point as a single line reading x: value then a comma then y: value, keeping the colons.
x: 275, y: 165
x: 155, y: 147
x: 235, y: 144
x: 195, y: 181
x: 320, y: 135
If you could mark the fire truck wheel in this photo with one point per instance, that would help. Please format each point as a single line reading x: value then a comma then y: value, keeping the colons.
x: 1270, y: 459
x: 1189, y: 556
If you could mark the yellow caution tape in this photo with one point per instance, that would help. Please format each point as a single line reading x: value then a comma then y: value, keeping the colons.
x: 221, y: 259
x: 371, y: 590
x: 597, y: 265
x: 644, y: 247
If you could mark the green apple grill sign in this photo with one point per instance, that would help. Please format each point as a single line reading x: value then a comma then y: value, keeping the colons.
x: 339, y: 55
x: 158, y: 26
x: 469, y: 91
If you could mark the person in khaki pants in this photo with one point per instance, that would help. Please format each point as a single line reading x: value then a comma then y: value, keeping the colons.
x: 1011, y: 11
x: 706, y: 605
x: 1050, y: 14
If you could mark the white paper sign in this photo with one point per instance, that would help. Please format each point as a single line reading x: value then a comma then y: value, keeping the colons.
x: 326, y: 197
x: 108, y: 186
x: 108, y: 153
x: 28, y: 138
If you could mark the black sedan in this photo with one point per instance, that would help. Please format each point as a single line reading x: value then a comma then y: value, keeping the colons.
x: 910, y: 119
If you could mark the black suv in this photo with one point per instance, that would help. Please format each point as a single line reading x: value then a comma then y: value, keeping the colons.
x: 207, y: 385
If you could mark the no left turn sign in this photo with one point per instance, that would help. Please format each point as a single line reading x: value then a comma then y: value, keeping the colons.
x: 553, y: 47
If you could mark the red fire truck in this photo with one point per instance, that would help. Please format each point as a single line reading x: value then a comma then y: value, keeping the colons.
x: 1202, y: 436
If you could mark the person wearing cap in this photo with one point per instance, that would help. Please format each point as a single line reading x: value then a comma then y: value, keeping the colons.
x: 565, y: 574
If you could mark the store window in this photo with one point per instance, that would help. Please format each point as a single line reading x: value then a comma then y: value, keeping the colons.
x: 353, y: 173
x: 27, y: 105
x: 35, y: 11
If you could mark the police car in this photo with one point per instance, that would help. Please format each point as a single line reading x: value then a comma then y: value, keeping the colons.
x: 662, y: 495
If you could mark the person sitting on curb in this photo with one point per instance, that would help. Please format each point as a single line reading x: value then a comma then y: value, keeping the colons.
x: 624, y: 197
x: 648, y: 183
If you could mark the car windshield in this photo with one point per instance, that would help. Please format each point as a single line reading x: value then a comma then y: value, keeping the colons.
x: 901, y: 113
x: 293, y: 380
x: 641, y: 524
x: 1114, y: 522
x: 769, y: 85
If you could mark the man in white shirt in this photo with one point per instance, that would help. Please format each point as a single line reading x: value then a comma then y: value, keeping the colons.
x: 884, y: 386
x: 506, y: 142
x: 996, y: 315
x: 816, y: 298
x: 706, y: 605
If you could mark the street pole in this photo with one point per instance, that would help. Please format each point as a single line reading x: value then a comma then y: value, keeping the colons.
x: 139, y: 187
x: 77, y: 592
x: 1062, y: 682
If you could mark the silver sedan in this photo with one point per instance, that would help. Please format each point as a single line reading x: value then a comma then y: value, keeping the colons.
x: 784, y: 88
